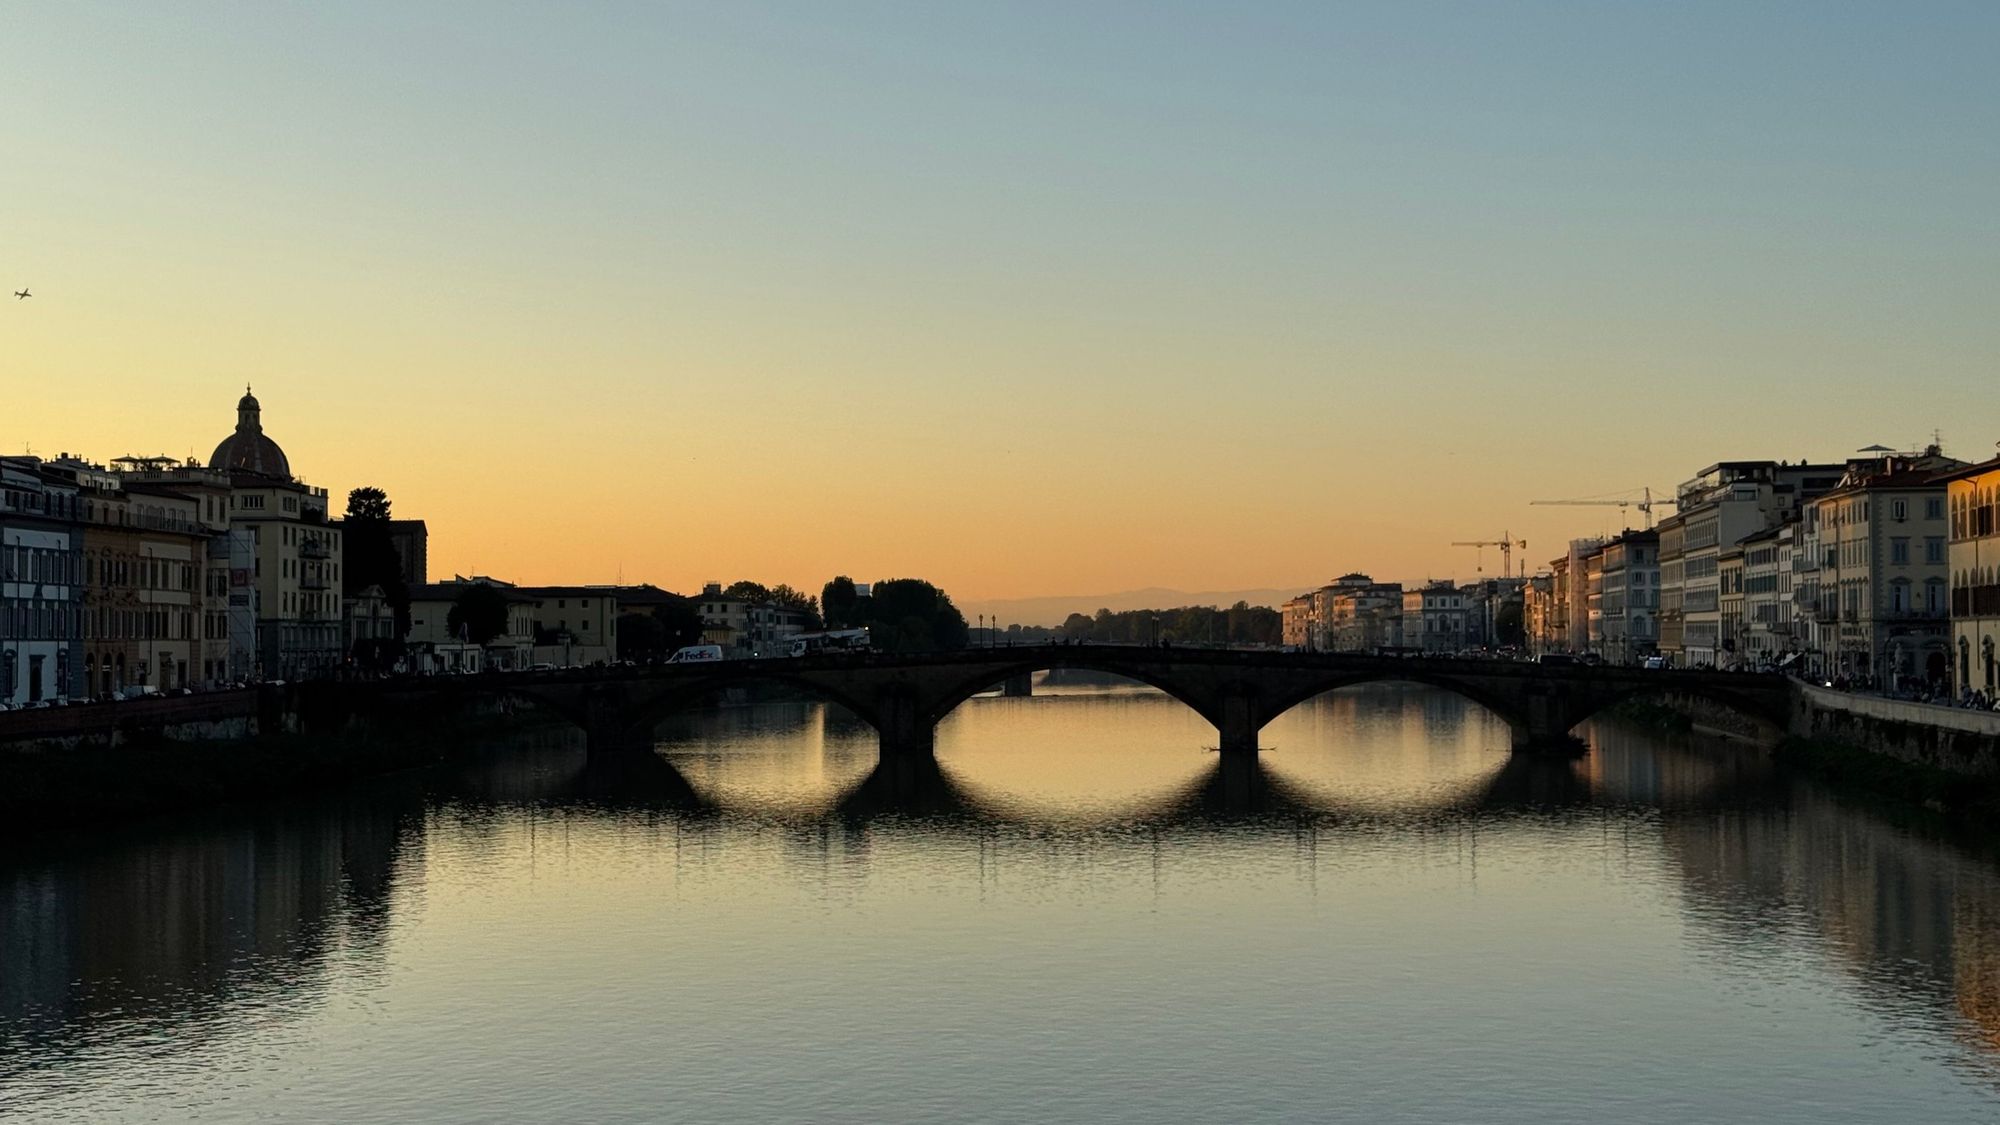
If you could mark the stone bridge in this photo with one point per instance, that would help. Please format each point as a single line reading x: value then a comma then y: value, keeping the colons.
x: 904, y: 696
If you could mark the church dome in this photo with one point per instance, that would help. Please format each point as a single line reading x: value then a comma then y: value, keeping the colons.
x: 248, y: 449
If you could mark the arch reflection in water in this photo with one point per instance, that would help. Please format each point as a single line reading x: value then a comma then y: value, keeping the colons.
x: 1382, y: 891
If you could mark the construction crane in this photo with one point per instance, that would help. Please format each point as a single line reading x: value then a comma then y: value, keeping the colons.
x: 1506, y: 543
x: 1644, y: 504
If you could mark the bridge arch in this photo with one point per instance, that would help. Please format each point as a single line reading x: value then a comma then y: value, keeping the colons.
x: 648, y: 713
x: 1415, y: 674
x: 620, y: 715
x: 1770, y: 715
x: 989, y: 677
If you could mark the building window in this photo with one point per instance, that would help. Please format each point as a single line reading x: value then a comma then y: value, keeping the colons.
x: 1899, y: 551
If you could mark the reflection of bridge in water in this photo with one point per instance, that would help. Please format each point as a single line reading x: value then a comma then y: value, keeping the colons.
x: 1230, y: 788
x: 904, y: 696
x: 175, y: 930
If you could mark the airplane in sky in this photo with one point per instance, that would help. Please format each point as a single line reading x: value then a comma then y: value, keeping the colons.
x: 22, y: 294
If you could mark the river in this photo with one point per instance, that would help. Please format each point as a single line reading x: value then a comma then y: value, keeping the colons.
x: 1080, y: 915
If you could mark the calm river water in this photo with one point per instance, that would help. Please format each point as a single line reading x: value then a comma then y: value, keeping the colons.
x: 1078, y: 917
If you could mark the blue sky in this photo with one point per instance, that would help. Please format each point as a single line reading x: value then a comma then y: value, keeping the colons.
x: 1334, y: 284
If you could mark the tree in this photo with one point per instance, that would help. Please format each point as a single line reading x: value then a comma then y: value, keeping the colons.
x: 478, y: 614
x: 368, y: 503
x: 641, y: 637
x: 668, y: 626
x: 911, y: 615
x: 785, y: 597
x: 369, y: 555
x: 679, y: 621
x: 841, y: 603
x: 1240, y: 624
x: 747, y: 592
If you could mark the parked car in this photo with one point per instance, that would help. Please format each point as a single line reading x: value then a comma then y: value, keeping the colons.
x: 1655, y: 663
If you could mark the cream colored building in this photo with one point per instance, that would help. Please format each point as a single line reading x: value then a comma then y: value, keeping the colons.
x: 1973, y: 561
x: 145, y: 560
x: 1295, y: 622
x: 228, y: 627
x: 1631, y: 597
x: 1671, y: 620
x: 1884, y: 575
x: 1434, y: 617
x: 1716, y: 509
x: 1729, y: 587
x: 295, y: 552
x: 1765, y: 636
x: 747, y: 628
x: 1539, y: 614
x: 574, y: 625
x: 434, y: 647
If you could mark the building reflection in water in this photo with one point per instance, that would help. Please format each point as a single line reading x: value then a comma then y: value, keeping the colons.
x: 170, y: 931
x: 166, y: 932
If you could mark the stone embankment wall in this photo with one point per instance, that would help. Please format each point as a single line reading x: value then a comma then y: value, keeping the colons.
x: 1956, y: 741
x: 1710, y: 717
x: 212, y: 716
x: 320, y: 708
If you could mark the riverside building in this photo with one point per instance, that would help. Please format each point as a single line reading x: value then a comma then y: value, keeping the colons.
x: 1434, y: 618
x: 1630, y: 598
x: 1972, y: 499
x: 1716, y: 509
x: 1884, y: 574
x: 295, y: 551
x: 41, y: 572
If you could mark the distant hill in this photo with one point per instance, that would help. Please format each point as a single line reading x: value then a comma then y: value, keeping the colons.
x: 1052, y: 610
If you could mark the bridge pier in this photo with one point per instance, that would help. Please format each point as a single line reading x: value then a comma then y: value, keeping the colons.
x: 1544, y: 728
x: 1238, y: 727
x: 608, y: 728
x: 905, y: 729
x: 1018, y: 687
x: 1563, y: 745
x: 611, y: 739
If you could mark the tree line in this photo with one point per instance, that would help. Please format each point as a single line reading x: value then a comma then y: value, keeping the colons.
x: 1240, y: 624
x: 900, y: 614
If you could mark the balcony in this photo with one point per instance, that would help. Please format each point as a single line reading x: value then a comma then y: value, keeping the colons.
x: 313, y: 579
x: 314, y: 549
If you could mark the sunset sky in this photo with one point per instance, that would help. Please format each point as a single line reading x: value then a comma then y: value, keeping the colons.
x: 1024, y: 299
